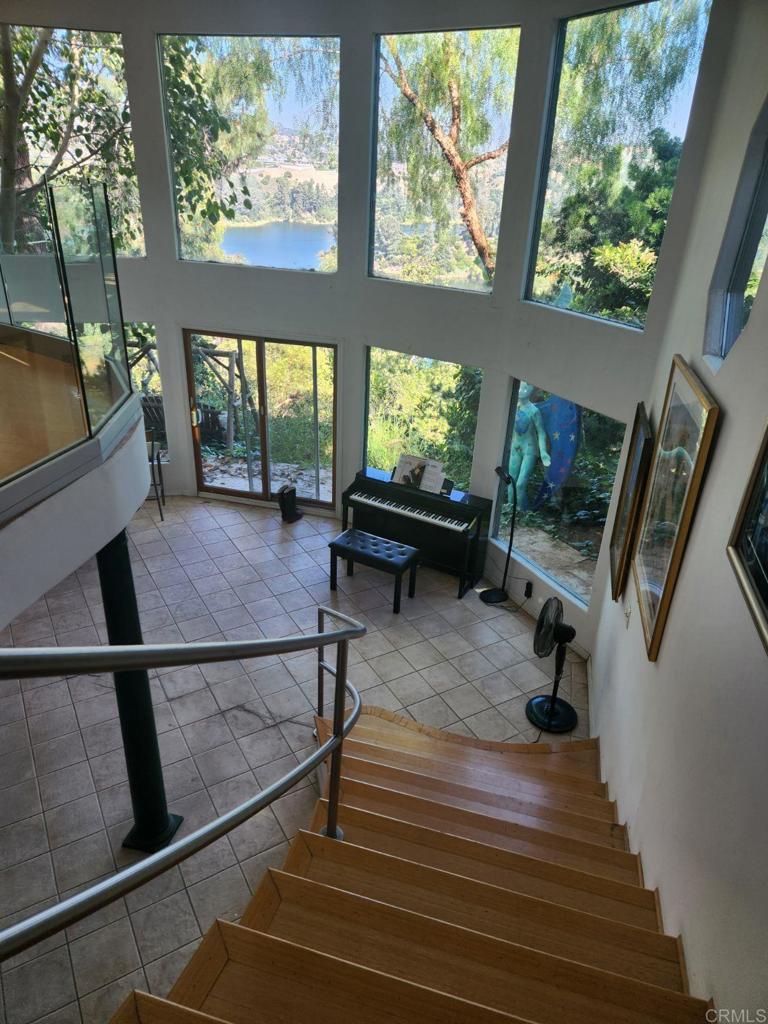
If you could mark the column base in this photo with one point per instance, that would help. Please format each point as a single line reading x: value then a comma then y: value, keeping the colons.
x: 151, y: 844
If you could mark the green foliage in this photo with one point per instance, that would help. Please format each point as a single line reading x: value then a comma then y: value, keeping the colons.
x: 613, y: 167
x: 73, y: 120
x: 426, y: 407
x: 598, y: 254
x: 444, y: 106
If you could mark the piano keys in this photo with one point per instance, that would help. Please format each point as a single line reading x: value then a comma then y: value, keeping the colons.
x: 450, y: 532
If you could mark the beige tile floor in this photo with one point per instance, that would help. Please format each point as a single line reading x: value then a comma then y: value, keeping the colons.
x: 214, y: 570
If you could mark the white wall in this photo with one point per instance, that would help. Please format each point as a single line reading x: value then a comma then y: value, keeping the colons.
x: 687, y: 773
x: 684, y: 739
x: 43, y: 545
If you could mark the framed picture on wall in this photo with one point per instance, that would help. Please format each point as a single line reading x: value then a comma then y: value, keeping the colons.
x: 630, y: 500
x: 683, y: 443
x: 748, y: 545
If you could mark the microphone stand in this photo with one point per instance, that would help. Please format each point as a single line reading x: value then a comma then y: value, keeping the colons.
x: 495, y: 595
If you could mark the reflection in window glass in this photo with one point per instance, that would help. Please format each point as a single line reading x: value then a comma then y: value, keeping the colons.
x: 253, y: 131
x: 143, y: 362
x: 625, y: 89
x: 755, y: 274
x: 749, y: 265
x: 74, y: 122
x: 444, y: 110
x: 420, y: 406
x: 563, y: 458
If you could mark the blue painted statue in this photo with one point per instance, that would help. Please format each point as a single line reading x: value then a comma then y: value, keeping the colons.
x: 529, y: 444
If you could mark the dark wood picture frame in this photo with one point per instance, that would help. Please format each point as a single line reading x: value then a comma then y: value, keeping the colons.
x: 748, y: 544
x: 680, y: 456
x: 630, y: 500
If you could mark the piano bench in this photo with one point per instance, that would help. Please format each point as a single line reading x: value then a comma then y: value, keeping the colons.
x: 377, y: 553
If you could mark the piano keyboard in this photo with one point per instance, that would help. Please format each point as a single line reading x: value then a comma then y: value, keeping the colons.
x: 433, y: 518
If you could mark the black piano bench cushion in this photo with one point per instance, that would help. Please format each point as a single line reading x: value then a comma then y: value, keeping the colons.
x: 394, y: 557
x: 377, y: 553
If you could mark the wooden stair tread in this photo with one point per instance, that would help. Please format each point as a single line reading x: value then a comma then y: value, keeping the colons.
x: 496, y: 780
x: 508, y: 915
x: 539, y: 842
x: 487, y: 862
x: 141, y: 1008
x: 525, y: 810
x: 521, y: 766
x: 487, y: 970
x: 587, y: 749
x: 244, y: 976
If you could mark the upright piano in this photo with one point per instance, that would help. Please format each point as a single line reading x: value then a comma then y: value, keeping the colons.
x: 451, y: 532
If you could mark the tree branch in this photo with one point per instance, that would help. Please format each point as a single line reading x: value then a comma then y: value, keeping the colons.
x: 74, y: 92
x: 400, y: 79
x: 453, y: 92
x: 490, y: 155
x: 35, y: 60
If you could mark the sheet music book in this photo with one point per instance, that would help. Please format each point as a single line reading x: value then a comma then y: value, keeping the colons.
x: 415, y: 471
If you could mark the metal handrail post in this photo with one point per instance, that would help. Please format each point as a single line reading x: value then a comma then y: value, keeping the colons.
x: 332, y: 829
x: 320, y: 670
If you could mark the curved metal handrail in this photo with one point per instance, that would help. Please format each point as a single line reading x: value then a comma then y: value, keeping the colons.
x: 36, y: 661
x: 41, y: 661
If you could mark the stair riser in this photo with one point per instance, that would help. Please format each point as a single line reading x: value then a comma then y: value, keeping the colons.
x: 525, y: 812
x: 500, y: 783
x: 462, y: 963
x: 490, y: 863
x: 534, y: 842
x: 510, y: 916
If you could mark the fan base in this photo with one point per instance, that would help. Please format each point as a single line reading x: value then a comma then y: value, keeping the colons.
x: 562, y: 717
x: 494, y: 595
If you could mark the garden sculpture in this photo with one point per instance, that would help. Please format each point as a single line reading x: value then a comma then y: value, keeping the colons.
x: 529, y: 444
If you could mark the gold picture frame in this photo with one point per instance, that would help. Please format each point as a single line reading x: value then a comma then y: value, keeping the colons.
x: 748, y: 544
x: 630, y: 500
x: 680, y: 455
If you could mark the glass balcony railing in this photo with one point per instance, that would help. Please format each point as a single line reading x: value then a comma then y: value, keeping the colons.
x: 63, y: 362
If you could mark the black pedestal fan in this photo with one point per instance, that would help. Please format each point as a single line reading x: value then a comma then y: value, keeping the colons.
x: 552, y: 713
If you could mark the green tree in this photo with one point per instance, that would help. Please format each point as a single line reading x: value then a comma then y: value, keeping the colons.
x: 603, y: 245
x: 64, y: 110
x: 453, y: 86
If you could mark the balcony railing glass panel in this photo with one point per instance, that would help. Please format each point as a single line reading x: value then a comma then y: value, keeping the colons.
x: 82, y: 219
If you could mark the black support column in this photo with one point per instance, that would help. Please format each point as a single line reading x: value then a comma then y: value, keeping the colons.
x: 153, y: 826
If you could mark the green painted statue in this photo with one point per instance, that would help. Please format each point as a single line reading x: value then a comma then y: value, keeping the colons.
x: 529, y: 444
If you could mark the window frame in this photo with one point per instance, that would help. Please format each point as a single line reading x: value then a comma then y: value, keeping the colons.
x: 746, y: 222
x: 266, y: 495
x: 169, y: 153
x: 545, y: 160
x: 519, y: 553
x: 371, y: 274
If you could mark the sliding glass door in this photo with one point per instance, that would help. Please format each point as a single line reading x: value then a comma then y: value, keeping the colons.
x: 263, y: 415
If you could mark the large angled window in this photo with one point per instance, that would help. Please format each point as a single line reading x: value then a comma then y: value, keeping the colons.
x: 253, y: 132
x: 625, y: 85
x: 421, y: 406
x: 563, y: 459
x: 735, y: 306
x: 65, y: 116
x: 444, y: 111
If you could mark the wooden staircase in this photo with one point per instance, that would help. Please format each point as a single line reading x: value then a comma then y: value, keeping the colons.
x: 476, y: 882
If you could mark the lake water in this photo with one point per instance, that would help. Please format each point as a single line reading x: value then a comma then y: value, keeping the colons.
x: 281, y: 244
